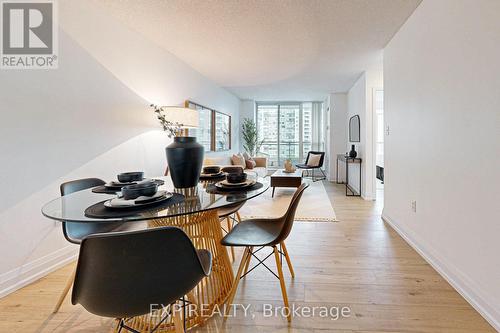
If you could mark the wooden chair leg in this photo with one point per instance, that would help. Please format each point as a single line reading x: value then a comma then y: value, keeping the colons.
x: 248, y: 261
x: 287, y: 257
x: 238, y: 216
x: 282, y: 283
x: 178, y: 322
x: 65, y: 291
x: 230, y: 298
x: 229, y: 228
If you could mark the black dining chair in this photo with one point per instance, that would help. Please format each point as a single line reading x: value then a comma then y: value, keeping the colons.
x: 74, y: 232
x: 312, y: 168
x: 261, y: 233
x: 121, y: 274
x: 230, y: 215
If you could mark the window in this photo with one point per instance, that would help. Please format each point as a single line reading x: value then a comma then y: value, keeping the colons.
x: 204, y: 131
x: 222, y: 131
x: 214, y: 129
x: 290, y: 130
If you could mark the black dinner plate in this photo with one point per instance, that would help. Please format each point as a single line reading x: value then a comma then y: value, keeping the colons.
x: 212, y: 175
x: 225, y: 186
x: 141, y: 203
x: 115, y: 185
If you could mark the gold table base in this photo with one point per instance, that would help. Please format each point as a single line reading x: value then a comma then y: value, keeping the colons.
x: 209, y: 295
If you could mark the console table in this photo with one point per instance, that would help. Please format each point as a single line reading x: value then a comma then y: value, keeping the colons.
x: 348, y: 160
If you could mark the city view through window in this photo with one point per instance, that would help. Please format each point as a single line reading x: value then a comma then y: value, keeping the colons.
x: 288, y: 130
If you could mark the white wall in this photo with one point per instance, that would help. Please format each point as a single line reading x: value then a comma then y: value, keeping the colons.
x: 338, y: 136
x: 90, y: 117
x: 356, y: 102
x: 442, y: 104
x: 360, y: 102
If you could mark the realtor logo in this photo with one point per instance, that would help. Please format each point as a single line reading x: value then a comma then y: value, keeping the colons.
x: 29, y: 35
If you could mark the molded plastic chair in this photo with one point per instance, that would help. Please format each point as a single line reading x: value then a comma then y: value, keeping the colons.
x: 121, y: 274
x: 263, y: 233
x: 231, y: 215
x: 319, y: 166
x: 75, y: 232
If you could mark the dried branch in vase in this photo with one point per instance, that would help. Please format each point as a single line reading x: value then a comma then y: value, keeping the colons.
x: 172, y: 128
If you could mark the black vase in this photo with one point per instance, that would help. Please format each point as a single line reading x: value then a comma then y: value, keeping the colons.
x: 185, y: 159
x: 353, y: 153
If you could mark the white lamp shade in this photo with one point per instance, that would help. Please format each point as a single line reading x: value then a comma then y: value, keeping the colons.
x: 181, y: 115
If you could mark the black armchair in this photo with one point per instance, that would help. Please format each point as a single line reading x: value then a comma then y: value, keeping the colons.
x: 314, y: 167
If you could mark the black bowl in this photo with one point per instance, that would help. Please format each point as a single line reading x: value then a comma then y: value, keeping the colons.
x: 147, y: 189
x: 213, y: 169
x: 128, y: 177
x: 234, y: 178
x: 232, y: 169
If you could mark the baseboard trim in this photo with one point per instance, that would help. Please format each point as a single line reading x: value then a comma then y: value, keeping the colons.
x: 457, y: 282
x: 36, y: 269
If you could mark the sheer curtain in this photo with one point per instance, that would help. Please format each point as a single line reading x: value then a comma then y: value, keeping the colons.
x: 318, y: 136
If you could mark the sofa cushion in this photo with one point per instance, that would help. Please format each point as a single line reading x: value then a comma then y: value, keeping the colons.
x: 250, y: 163
x: 224, y: 160
x: 238, y: 159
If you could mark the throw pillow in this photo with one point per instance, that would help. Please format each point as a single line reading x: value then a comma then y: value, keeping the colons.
x: 246, y: 156
x: 238, y: 159
x: 250, y: 164
x: 313, y: 160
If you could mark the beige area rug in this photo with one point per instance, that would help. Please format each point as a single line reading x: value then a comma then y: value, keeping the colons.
x: 314, y: 205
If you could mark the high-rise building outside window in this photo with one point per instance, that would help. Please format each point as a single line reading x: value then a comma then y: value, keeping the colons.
x: 289, y: 129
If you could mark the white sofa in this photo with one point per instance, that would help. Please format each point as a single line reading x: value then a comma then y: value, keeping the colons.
x: 225, y: 160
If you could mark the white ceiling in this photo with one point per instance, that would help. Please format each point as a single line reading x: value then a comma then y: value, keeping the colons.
x: 270, y: 49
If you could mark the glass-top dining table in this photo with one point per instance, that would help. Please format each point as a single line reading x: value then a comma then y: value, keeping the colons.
x: 196, y: 211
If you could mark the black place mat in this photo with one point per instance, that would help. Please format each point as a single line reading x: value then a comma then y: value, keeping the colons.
x: 100, y: 211
x: 105, y: 190
x: 211, y: 188
x: 208, y: 178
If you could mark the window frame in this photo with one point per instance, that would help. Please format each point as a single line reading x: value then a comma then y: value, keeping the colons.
x: 213, y: 127
x: 302, y: 156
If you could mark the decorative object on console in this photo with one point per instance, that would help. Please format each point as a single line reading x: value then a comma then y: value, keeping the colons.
x: 184, y: 155
x: 353, y: 153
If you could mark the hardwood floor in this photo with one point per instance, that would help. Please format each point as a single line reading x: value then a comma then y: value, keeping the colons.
x: 359, y: 263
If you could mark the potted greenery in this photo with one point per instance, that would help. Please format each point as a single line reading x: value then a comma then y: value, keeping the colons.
x: 251, y: 142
